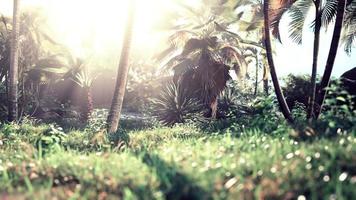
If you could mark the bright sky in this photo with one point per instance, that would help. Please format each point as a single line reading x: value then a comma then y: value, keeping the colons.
x: 297, y: 59
x: 94, y: 28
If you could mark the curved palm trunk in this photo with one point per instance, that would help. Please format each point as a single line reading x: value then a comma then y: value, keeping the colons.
x: 116, y: 106
x: 310, y: 113
x: 14, y: 68
x: 341, y: 6
x: 281, y: 100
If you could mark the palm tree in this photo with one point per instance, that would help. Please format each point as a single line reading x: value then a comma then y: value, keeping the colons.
x: 202, y: 69
x: 323, y: 17
x: 13, y: 72
x: 208, y: 49
x: 317, y: 4
x: 298, y: 10
x: 116, y: 106
x: 282, y: 102
x: 341, y: 6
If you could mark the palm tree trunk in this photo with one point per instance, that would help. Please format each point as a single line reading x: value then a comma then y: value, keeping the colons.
x: 266, y: 87
x: 87, y: 105
x: 341, y: 6
x: 256, y: 76
x: 266, y: 73
x: 14, y: 68
x: 281, y: 100
x: 310, y: 112
x: 116, y: 106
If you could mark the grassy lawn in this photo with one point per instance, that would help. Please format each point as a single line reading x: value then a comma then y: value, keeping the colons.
x: 173, y: 163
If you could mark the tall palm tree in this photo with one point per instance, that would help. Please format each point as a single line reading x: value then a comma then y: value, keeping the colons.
x: 317, y: 4
x: 14, y: 62
x: 323, y: 17
x: 282, y: 101
x: 116, y: 106
x: 341, y: 6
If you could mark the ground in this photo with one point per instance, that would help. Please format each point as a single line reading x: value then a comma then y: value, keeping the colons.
x: 183, y: 162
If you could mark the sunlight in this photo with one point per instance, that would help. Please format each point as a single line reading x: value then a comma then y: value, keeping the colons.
x: 90, y: 27
x: 97, y: 25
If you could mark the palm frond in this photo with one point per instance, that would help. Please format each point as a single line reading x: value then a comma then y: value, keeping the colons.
x: 277, y: 10
x: 328, y: 12
x: 298, y: 13
x: 234, y: 55
x: 349, y: 33
x: 349, y: 38
x: 83, y: 79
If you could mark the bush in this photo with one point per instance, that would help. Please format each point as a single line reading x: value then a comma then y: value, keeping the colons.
x: 174, y: 105
x: 297, y: 90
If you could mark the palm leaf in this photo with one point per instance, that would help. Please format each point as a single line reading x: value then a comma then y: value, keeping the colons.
x: 277, y: 10
x: 298, y: 13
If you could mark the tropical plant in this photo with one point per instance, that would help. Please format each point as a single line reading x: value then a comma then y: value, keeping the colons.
x: 207, y: 49
x: 175, y: 105
x: 84, y: 80
x: 119, y: 93
x: 233, y: 102
x: 39, y: 64
x: 294, y: 87
x: 325, y: 13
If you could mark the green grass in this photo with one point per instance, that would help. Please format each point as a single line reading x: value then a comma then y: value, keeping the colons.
x: 173, y: 163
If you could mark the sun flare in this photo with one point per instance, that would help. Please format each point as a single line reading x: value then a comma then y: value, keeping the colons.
x: 90, y: 27
x: 98, y: 25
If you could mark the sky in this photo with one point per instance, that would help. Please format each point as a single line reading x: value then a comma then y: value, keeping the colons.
x: 297, y: 59
x: 93, y: 29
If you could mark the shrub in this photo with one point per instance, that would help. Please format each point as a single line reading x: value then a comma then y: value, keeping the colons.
x: 297, y: 90
x: 175, y: 105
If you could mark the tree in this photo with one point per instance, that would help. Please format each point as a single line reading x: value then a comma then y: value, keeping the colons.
x: 119, y: 93
x: 317, y: 28
x: 14, y: 62
x: 325, y: 13
x: 281, y: 100
x: 341, y: 6
x: 203, y: 69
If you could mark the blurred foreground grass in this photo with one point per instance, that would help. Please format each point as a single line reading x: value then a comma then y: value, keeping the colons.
x: 43, y: 162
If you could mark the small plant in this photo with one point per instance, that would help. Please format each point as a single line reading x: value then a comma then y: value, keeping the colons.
x: 50, y: 140
x: 340, y: 110
x: 296, y: 90
x: 175, y: 105
x: 266, y: 116
x: 84, y: 80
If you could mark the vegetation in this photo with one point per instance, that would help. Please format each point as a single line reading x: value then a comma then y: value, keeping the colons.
x: 183, y: 120
x: 175, y: 163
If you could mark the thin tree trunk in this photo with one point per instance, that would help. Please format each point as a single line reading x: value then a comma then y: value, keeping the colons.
x: 14, y: 70
x: 281, y: 100
x: 256, y: 76
x: 266, y: 73
x: 310, y: 112
x: 341, y: 6
x: 116, y: 106
x: 266, y: 87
